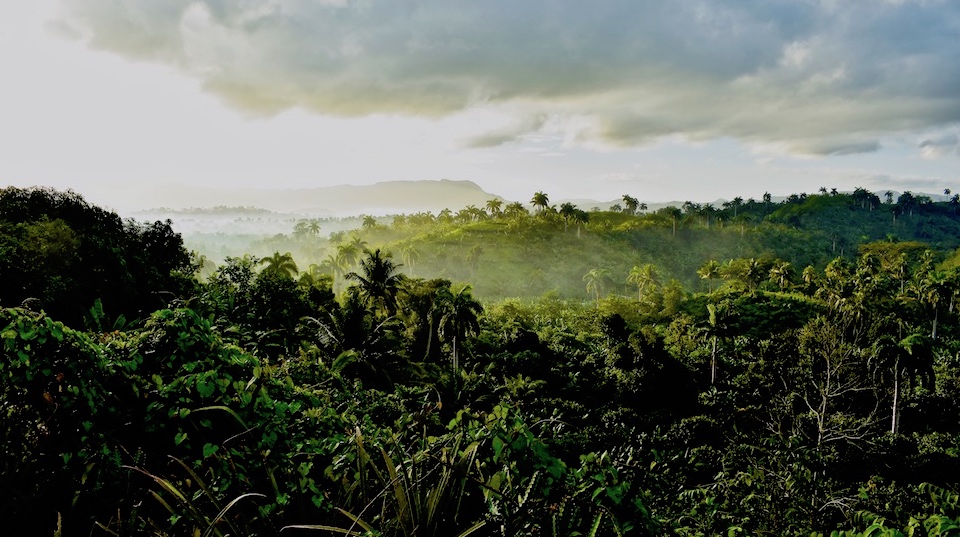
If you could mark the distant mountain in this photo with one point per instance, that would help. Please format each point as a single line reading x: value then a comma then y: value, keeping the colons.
x: 390, y: 197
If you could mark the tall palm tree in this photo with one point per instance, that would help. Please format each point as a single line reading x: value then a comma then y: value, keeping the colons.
x: 781, y: 274
x: 709, y: 271
x: 567, y: 213
x: 379, y: 282
x: 752, y: 273
x: 597, y: 280
x: 630, y: 203
x: 314, y: 227
x: 459, y: 318
x: 349, y: 253
x: 642, y: 276
x: 718, y: 317
x: 494, y: 205
x: 580, y: 218
x: 331, y: 265
x: 540, y: 201
x: 410, y: 255
x: 280, y: 264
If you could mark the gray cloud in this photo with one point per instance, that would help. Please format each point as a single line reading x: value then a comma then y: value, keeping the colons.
x: 946, y: 144
x: 814, y: 76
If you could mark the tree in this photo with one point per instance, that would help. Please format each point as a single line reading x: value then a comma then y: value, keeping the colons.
x: 459, y: 319
x: 597, y: 280
x: 674, y: 213
x: 280, y: 264
x: 540, y: 201
x: 515, y: 210
x: 831, y: 376
x: 349, y: 253
x: 567, y: 212
x: 752, y: 273
x: 379, y: 282
x: 643, y: 276
x: 709, y: 271
x: 781, y: 274
x: 494, y: 205
x: 580, y: 218
x: 410, y: 256
x: 906, y: 202
x: 630, y: 204
x: 57, y: 248
x: 718, y: 317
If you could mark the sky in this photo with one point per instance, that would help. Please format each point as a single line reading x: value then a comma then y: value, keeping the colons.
x: 663, y: 100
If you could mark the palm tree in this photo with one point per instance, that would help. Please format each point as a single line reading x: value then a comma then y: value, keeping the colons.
x: 313, y: 275
x: 459, y: 319
x: 494, y: 205
x: 280, y: 264
x: 781, y: 273
x: 410, y: 256
x: 567, y: 212
x: 347, y: 255
x: 445, y: 216
x: 515, y: 210
x: 379, y: 282
x: 630, y: 203
x: 709, y: 271
x: 752, y: 273
x: 314, y: 227
x: 331, y: 266
x: 540, y: 201
x: 674, y: 213
x: 580, y: 218
x: 597, y: 280
x: 369, y: 222
x: 642, y: 276
x: 718, y: 316
x: 736, y: 204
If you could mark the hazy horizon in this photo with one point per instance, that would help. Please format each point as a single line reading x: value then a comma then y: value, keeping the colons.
x: 662, y: 101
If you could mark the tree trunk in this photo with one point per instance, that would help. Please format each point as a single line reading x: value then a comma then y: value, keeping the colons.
x: 455, y: 366
x: 933, y: 334
x: 713, y: 362
x: 895, y: 418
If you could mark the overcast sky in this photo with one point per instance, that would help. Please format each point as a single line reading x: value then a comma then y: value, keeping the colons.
x: 668, y: 100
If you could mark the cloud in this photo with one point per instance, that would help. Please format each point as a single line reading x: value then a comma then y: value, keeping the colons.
x: 509, y: 133
x: 811, y: 76
x: 940, y: 146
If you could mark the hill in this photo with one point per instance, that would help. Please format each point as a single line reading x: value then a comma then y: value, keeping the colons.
x: 389, y: 197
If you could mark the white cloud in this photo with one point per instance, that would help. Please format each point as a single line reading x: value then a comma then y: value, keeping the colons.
x: 813, y: 76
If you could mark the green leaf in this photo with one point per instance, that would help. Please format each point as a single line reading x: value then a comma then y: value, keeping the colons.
x: 210, y: 449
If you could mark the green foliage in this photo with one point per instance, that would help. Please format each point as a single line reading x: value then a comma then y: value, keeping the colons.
x: 65, y: 254
x: 781, y: 402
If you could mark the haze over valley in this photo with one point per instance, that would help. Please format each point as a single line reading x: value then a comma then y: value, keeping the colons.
x: 421, y: 268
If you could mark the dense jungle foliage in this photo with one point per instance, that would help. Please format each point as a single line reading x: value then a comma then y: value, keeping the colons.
x: 685, y: 395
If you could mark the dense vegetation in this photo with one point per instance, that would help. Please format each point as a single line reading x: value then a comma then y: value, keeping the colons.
x: 745, y: 397
x: 508, y: 251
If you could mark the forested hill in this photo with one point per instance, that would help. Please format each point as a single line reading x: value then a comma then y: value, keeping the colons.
x: 512, y: 251
x: 267, y: 398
